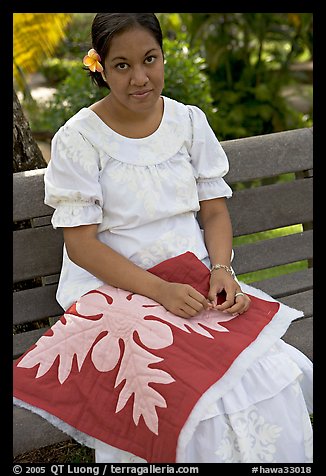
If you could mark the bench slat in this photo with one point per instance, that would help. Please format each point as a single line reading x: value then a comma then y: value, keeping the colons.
x: 273, y: 252
x: 288, y: 151
x: 37, y: 252
x: 269, y: 155
x: 290, y: 283
x: 272, y: 206
x: 35, y: 304
x: 22, y: 342
x: 300, y: 335
x: 302, y: 301
x: 30, y: 186
x: 40, y: 432
x: 282, y: 205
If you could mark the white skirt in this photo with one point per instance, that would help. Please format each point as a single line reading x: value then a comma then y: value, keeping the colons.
x: 264, y: 418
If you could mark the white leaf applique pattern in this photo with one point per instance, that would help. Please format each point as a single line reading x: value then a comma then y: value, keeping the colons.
x: 249, y: 438
x: 109, y: 315
x: 200, y: 323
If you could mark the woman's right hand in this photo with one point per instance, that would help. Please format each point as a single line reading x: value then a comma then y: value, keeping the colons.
x: 182, y: 299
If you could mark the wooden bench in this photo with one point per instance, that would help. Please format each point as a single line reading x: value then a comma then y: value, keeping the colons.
x: 264, y: 205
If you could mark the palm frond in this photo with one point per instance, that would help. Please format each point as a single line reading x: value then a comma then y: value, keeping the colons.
x: 36, y: 36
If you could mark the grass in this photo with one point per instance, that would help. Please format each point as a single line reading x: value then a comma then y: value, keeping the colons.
x: 272, y: 272
x: 265, y: 235
x: 65, y: 452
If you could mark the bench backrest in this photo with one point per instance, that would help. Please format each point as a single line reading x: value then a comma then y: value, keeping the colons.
x: 38, y: 247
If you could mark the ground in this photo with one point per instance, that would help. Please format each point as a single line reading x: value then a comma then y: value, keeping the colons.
x: 66, y: 452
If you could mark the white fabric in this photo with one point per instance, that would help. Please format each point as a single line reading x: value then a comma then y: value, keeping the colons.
x: 263, y: 418
x: 143, y: 193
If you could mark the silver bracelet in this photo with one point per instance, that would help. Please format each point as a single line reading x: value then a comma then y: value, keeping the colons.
x: 223, y: 266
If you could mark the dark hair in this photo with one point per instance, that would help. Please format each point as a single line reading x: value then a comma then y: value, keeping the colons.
x: 106, y: 25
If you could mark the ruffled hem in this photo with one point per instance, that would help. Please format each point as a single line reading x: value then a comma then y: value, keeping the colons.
x: 274, y: 430
x: 76, y: 215
x: 213, y: 188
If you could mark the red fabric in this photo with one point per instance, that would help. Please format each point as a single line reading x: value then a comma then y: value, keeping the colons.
x: 88, y: 398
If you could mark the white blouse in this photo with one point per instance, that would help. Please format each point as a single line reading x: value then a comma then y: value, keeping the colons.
x: 143, y: 193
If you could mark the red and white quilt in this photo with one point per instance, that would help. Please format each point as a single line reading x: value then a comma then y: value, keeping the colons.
x: 120, y: 368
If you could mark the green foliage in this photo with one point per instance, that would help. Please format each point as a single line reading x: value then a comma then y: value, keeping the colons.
x: 73, y: 93
x: 77, y: 40
x: 56, y: 70
x: 35, y: 37
x: 250, y: 58
x: 234, y: 66
x: 185, y: 78
x: 185, y: 81
x: 248, y: 108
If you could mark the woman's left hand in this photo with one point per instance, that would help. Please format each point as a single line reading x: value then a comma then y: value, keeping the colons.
x: 235, y: 303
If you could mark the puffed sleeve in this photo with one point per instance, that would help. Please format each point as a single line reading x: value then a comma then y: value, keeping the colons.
x: 208, y: 158
x: 71, y: 180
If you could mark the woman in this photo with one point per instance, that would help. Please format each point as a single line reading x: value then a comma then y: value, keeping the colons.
x: 127, y: 177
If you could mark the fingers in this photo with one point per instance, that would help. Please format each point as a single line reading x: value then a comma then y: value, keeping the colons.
x: 236, y: 302
x: 189, y: 311
x: 241, y: 305
x: 235, y: 305
x: 195, y: 303
x: 196, y: 300
x: 184, y: 300
x: 230, y: 291
x: 212, y: 296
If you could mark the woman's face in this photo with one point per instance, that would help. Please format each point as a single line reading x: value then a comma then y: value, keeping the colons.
x: 134, y: 69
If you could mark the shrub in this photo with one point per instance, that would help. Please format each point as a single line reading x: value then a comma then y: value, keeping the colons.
x: 185, y: 78
x: 56, y: 70
x: 185, y: 81
x: 73, y: 93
